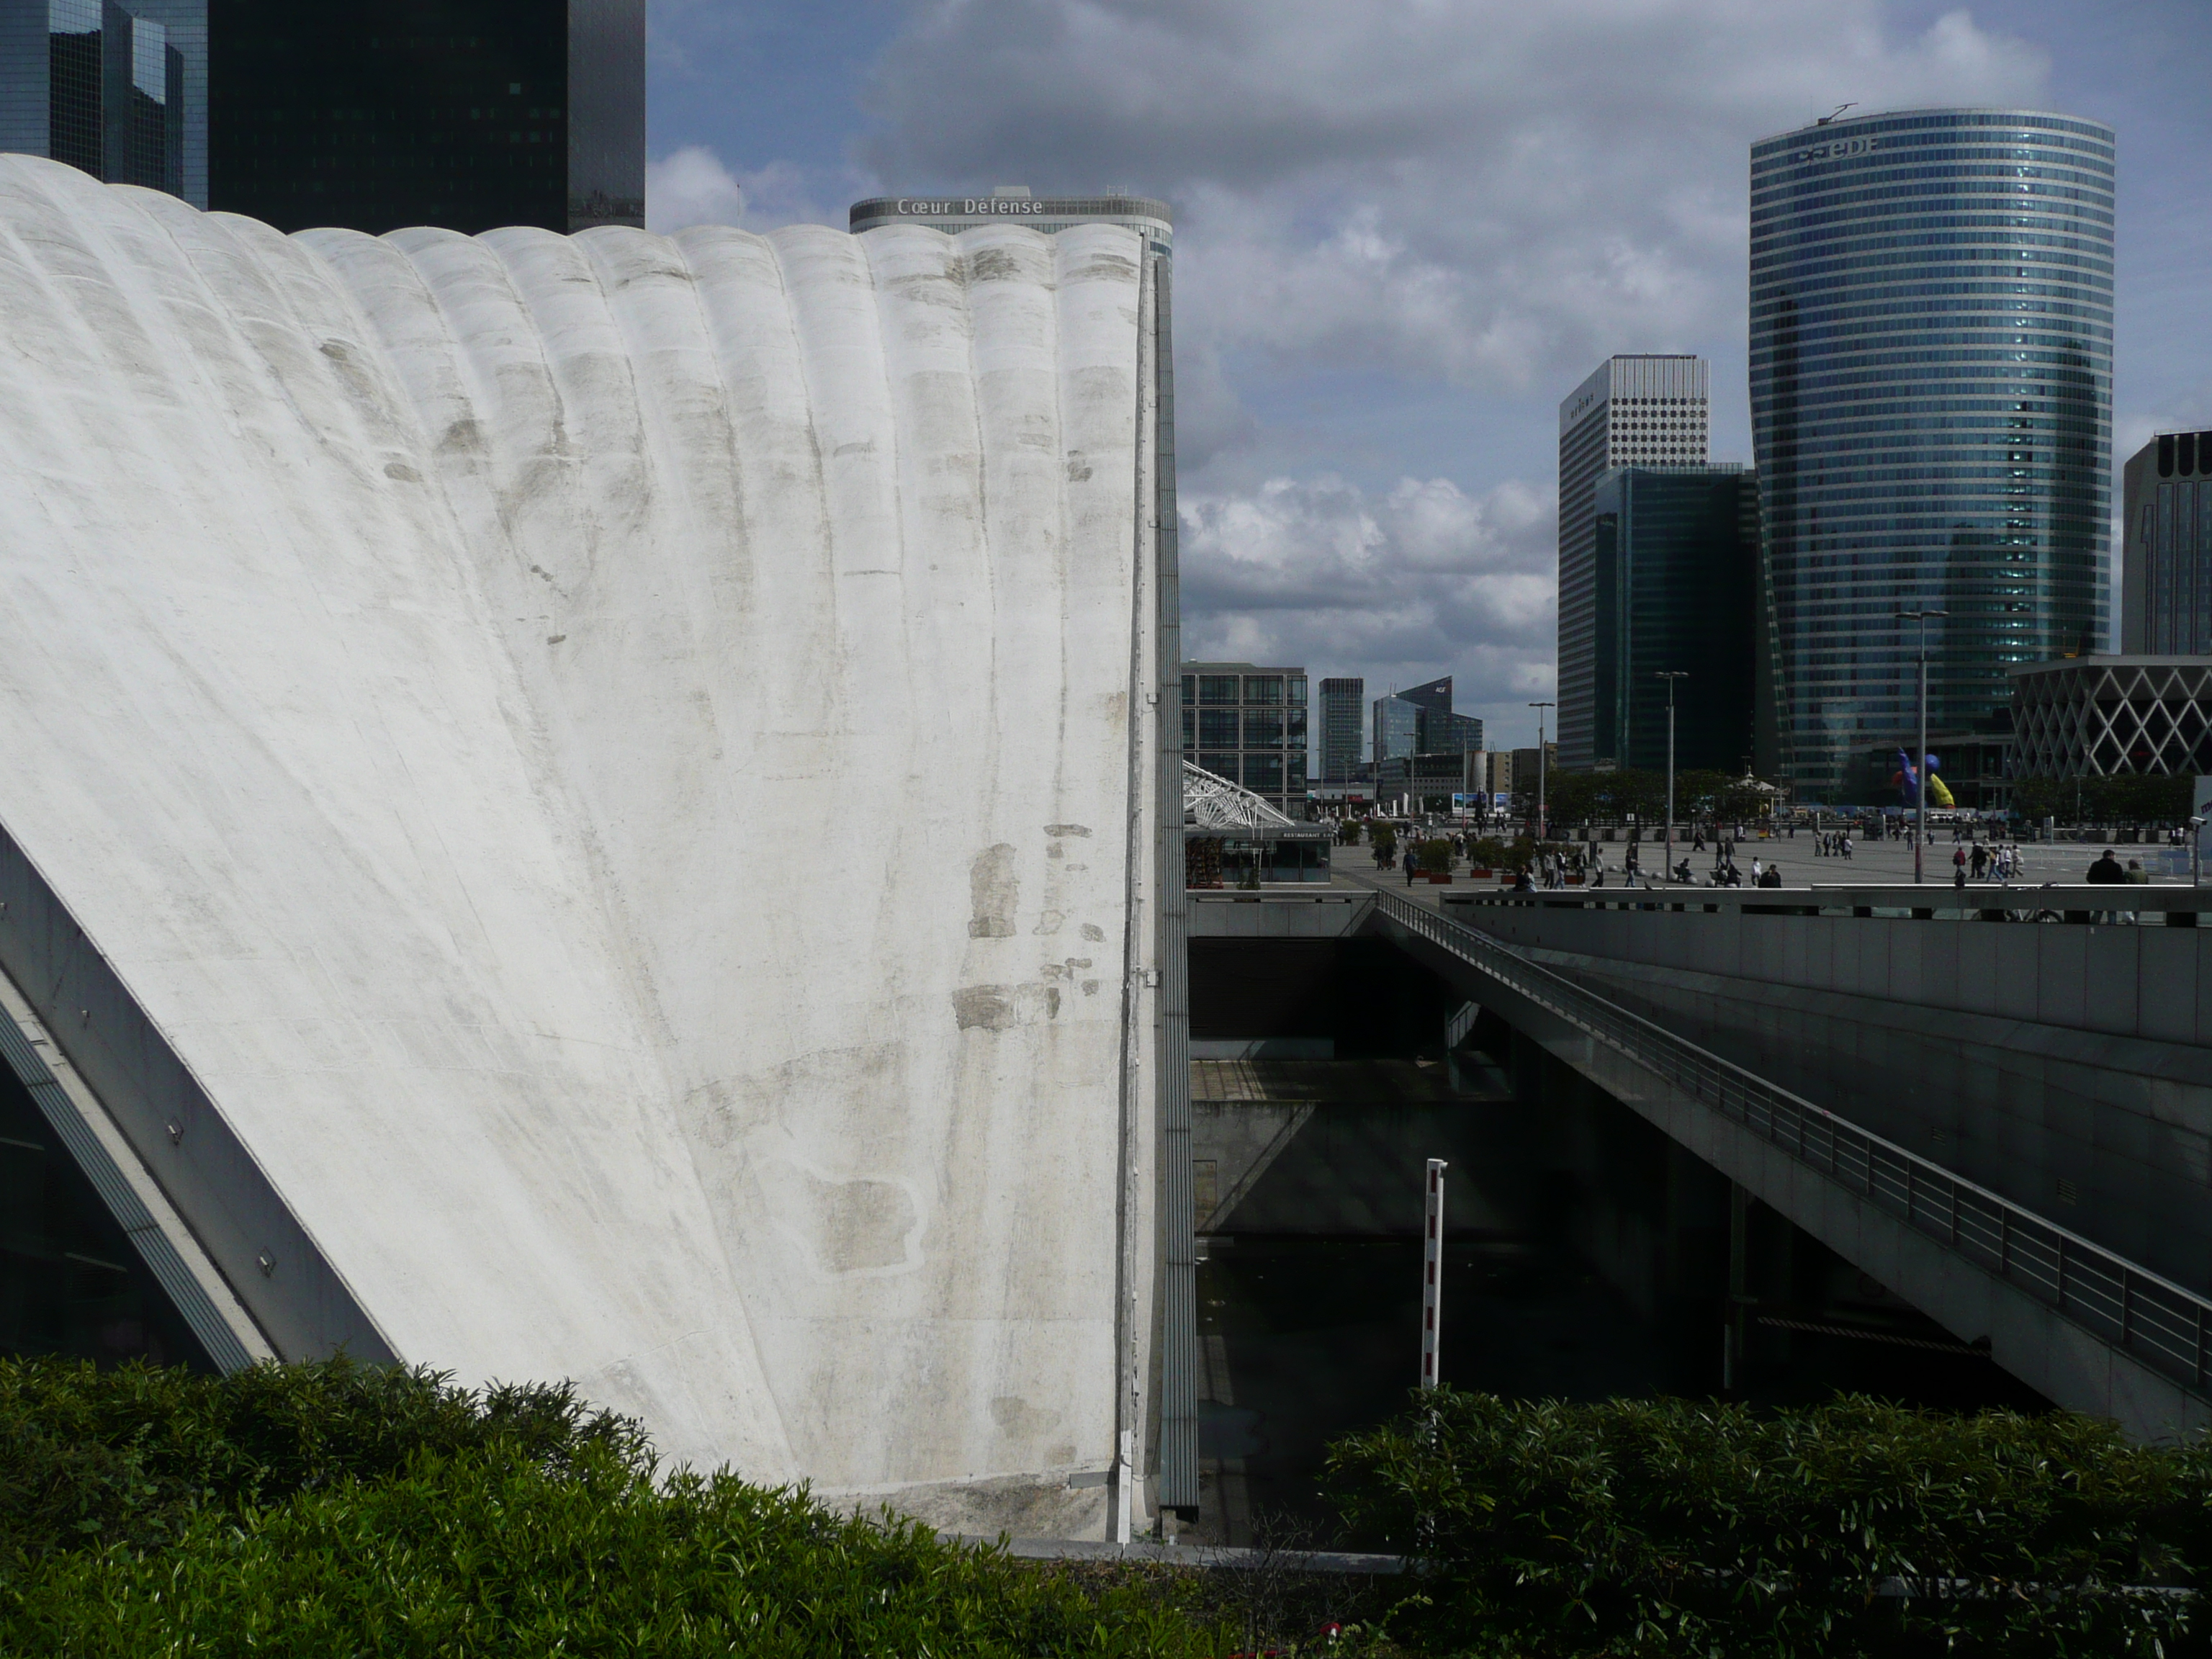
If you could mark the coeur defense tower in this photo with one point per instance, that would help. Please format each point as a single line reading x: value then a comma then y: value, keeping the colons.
x: 1931, y: 384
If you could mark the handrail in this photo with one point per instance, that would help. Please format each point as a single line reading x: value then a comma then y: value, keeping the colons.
x: 2160, y: 1322
x: 1976, y: 899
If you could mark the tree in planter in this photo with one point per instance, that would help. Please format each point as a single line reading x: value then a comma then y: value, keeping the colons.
x: 1489, y: 853
x: 1434, y: 857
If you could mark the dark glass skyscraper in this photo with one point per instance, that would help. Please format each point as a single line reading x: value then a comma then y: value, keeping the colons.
x: 1674, y: 573
x: 1931, y: 353
x: 1341, y: 716
x: 469, y: 114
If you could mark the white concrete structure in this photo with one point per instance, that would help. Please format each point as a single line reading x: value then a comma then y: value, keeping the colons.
x: 438, y: 675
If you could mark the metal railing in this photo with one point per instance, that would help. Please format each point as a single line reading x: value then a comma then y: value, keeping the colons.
x: 1937, y: 901
x: 2156, y: 1321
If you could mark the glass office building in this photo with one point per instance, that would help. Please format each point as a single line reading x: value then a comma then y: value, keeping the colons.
x: 1247, y: 723
x: 2165, y: 547
x: 1674, y: 565
x: 1931, y: 356
x: 115, y: 89
x: 1396, y: 733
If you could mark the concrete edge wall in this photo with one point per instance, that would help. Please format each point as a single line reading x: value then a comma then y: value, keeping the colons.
x: 2150, y: 981
x: 236, y: 1221
x: 1175, y: 1453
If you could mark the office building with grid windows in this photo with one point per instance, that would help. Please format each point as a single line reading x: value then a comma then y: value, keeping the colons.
x: 1931, y: 384
x: 1634, y: 410
x: 2166, y: 546
x: 1247, y: 723
x: 116, y: 89
x: 1341, y: 718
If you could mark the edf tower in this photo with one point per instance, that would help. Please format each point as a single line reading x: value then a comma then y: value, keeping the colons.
x: 1931, y: 394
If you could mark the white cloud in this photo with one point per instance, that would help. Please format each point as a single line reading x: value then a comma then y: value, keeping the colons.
x: 1422, y: 579
x: 1487, y: 191
x: 691, y: 187
x: 694, y: 186
x: 1452, y: 199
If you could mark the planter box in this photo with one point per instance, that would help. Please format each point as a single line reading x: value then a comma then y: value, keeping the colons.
x: 1480, y: 875
x: 1435, y: 880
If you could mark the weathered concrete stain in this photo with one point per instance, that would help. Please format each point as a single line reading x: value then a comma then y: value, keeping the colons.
x: 993, y: 890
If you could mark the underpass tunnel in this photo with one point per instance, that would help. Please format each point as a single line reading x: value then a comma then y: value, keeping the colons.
x: 1587, y: 1255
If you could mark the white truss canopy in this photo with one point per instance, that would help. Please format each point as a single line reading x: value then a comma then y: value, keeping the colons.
x: 1211, y: 802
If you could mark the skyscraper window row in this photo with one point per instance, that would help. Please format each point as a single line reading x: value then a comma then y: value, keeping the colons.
x: 2041, y: 197
x: 1933, y: 300
x: 2048, y: 273
x: 2085, y: 171
x: 1867, y: 340
x: 1842, y: 251
x: 1989, y: 167
x: 1919, y: 172
x: 1984, y: 311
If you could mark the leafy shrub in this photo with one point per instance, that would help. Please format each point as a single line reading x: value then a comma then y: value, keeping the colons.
x: 337, y: 1509
x: 1489, y: 853
x: 91, y: 1457
x: 1434, y: 855
x: 1677, y: 1527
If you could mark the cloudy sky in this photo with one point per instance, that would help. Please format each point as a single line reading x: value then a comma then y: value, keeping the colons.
x: 1406, y: 228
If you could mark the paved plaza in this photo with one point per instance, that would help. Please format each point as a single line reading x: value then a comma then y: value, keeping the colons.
x: 1871, y: 863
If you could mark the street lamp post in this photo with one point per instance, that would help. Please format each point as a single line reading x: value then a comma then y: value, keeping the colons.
x: 1541, y: 758
x: 1920, y: 830
x: 1670, y: 676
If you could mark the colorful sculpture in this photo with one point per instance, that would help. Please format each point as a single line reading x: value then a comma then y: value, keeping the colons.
x: 1907, y: 781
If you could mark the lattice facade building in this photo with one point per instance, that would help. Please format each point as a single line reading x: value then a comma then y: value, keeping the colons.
x: 2096, y: 716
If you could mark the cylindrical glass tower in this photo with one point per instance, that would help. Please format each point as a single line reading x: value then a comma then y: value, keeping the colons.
x: 1932, y: 399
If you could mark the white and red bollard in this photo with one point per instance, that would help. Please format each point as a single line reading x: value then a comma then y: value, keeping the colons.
x: 1432, y: 1271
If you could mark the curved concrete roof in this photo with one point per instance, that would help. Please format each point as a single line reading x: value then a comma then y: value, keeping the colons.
x: 609, y: 761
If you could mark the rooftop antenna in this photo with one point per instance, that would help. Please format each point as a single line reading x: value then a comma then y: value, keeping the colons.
x: 1834, y: 112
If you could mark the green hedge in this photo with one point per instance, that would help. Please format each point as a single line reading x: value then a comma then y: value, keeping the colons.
x: 1668, y: 1528
x: 339, y: 1509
